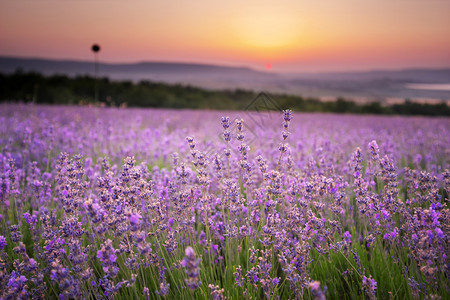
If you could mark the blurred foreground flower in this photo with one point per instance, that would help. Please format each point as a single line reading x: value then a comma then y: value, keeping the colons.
x: 191, y: 264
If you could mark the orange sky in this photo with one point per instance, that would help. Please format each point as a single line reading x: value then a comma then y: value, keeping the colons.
x: 300, y: 35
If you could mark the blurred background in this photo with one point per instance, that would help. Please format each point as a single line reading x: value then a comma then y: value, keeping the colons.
x: 357, y: 51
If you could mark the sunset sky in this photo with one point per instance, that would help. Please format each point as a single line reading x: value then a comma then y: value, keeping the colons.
x: 295, y: 36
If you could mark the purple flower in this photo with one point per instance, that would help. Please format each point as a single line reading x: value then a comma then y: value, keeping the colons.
x: 369, y: 286
x: 317, y: 292
x: 2, y: 242
x: 238, y: 276
x: 225, y: 122
x: 243, y: 209
x: 192, y: 268
x: 135, y: 219
x: 30, y: 219
x: 27, y: 217
x: 112, y: 258
x: 216, y: 292
x: 255, y: 278
x: 373, y: 147
x: 202, y: 238
x: 347, y: 237
x: 439, y: 232
x: 146, y: 293
x: 287, y: 115
x: 163, y: 289
x: 108, y: 258
x: 394, y: 233
x: 12, y: 280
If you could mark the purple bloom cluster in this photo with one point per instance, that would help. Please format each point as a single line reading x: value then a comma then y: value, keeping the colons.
x: 93, y: 200
x: 216, y: 292
x: 316, y: 291
x: 369, y: 286
x: 3, y: 242
x: 191, y: 265
x: 107, y: 255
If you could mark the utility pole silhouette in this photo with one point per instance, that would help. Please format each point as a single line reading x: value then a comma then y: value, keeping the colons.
x: 96, y: 48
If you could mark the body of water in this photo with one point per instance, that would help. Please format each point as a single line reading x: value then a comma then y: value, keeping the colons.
x: 429, y: 86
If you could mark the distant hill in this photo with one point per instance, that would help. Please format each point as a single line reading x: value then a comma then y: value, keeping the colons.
x: 72, y: 67
x: 379, y: 85
x: 10, y: 64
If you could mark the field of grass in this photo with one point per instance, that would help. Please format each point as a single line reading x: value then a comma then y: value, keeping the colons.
x: 103, y: 203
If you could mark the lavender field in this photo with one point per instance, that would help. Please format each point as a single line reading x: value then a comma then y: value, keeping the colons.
x: 101, y: 203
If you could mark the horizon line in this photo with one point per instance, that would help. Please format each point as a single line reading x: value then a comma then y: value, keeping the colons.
x: 230, y: 65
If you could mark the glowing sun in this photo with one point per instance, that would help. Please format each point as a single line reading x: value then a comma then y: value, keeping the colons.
x: 266, y: 28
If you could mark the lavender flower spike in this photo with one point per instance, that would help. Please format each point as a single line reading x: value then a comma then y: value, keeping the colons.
x: 191, y: 264
x: 317, y: 292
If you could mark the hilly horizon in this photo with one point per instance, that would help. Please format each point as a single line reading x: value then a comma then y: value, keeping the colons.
x: 9, y: 63
x: 417, y: 84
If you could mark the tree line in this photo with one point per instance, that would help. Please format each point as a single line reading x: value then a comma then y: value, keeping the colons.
x: 34, y: 87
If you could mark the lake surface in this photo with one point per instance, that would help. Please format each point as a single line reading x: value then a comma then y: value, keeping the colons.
x: 429, y: 86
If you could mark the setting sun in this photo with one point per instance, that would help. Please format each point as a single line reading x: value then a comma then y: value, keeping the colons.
x: 268, y: 29
x: 296, y: 35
